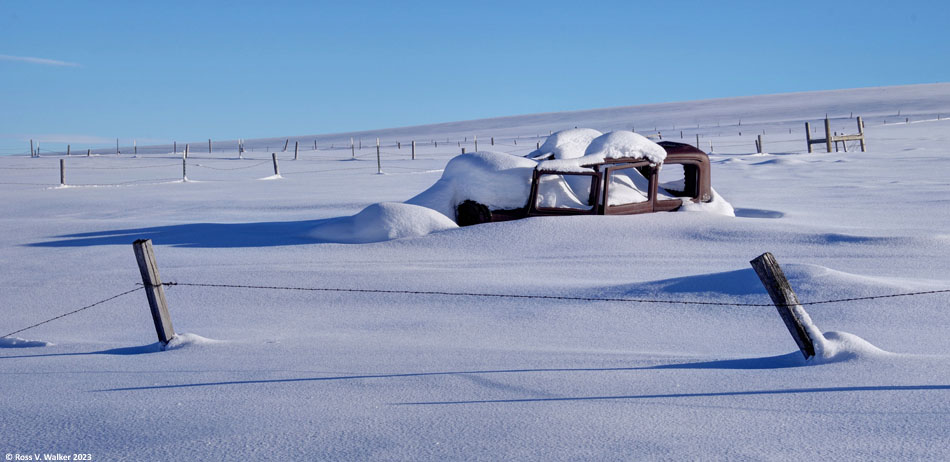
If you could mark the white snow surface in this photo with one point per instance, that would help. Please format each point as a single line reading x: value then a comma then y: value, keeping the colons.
x: 613, y: 145
x: 495, y: 179
x: 567, y: 144
x: 296, y: 372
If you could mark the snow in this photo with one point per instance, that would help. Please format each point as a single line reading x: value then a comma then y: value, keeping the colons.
x: 382, y: 222
x: 567, y: 144
x: 303, y: 373
x: 496, y: 179
x: 613, y: 145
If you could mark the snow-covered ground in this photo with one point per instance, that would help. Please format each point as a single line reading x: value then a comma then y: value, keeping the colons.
x: 274, y: 374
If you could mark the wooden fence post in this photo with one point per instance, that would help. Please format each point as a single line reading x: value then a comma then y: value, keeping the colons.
x: 493, y: 141
x: 175, y: 147
x: 154, y: 290
x: 88, y: 152
x: 758, y: 144
x: 116, y: 146
x: 286, y: 143
x: 209, y: 145
x: 67, y: 149
x: 861, y: 132
x: 273, y: 156
x: 186, y: 151
x: 184, y: 169
x: 32, y: 152
x: 808, y: 136
x: 828, y: 134
x: 62, y: 172
x: 697, y: 141
x: 413, y: 149
x: 352, y: 148
x: 463, y: 150
x: 379, y: 165
x: 791, y: 311
x: 135, y: 147
x: 296, y: 145
x: 476, y: 143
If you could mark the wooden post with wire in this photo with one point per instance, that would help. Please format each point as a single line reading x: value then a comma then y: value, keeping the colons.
x: 62, y: 172
x: 413, y: 149
x: 379, y: 165
x: 296, y: 145
x: 785, y: 300
x: 154, y: 290
x: 273, y: 156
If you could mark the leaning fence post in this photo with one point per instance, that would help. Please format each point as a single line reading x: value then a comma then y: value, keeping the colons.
x: 154, y: 290
x: 758, y: 144
x: 273, y: 156
x: 785, y: 300
x: 62, y: 172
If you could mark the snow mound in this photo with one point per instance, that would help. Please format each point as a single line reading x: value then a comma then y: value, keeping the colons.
x: 382, y: 222
x: 567, y: 144
x: 841, y: 346
x: 186, y: 340
x: 613, y: 145
x: 717, y: 206
x: 498, y: 180
x: 16, y: 342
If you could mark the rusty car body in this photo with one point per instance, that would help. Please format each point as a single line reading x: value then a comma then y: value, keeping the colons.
x: 604, y: 178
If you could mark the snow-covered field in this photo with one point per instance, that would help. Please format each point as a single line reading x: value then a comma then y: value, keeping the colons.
x: 278, y: 374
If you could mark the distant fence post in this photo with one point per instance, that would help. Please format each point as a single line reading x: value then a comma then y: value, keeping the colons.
x: 352, y: 148
x: 697, y: 141
x: 135, y: 147
x: 758, y: 145
x: 88, y: 152
x: 493, y: 141
x: 32, y: 152
x: 62, y: 172
x: 116, y: 146
x: 154, y: 290
x: 808, y: 136
x: 379, y: 165
x: 413, y: 149
x: 209, y: 145
x: 67, y: 149
x: 273, y: 156
x: 785, y: 300
x: 296, y: 145
x: 286, y: 143
x: 175, y: 147
x: 476, y: 143
x: 828, y: 139
x: 184, y: 169
x: 186, y: 151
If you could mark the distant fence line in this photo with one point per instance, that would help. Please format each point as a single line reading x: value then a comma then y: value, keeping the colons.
x: 669, y: 130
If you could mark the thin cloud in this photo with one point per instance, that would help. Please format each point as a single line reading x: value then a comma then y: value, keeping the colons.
x: 32, y: 60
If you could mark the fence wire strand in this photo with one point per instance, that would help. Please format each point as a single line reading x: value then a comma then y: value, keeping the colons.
x: 74, y: 311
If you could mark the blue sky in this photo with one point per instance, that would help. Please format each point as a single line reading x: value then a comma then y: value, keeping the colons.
x: 89, y: 72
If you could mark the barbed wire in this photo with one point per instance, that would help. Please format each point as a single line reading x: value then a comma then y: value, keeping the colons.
x: 483, y: 295
x: 74, y: 311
